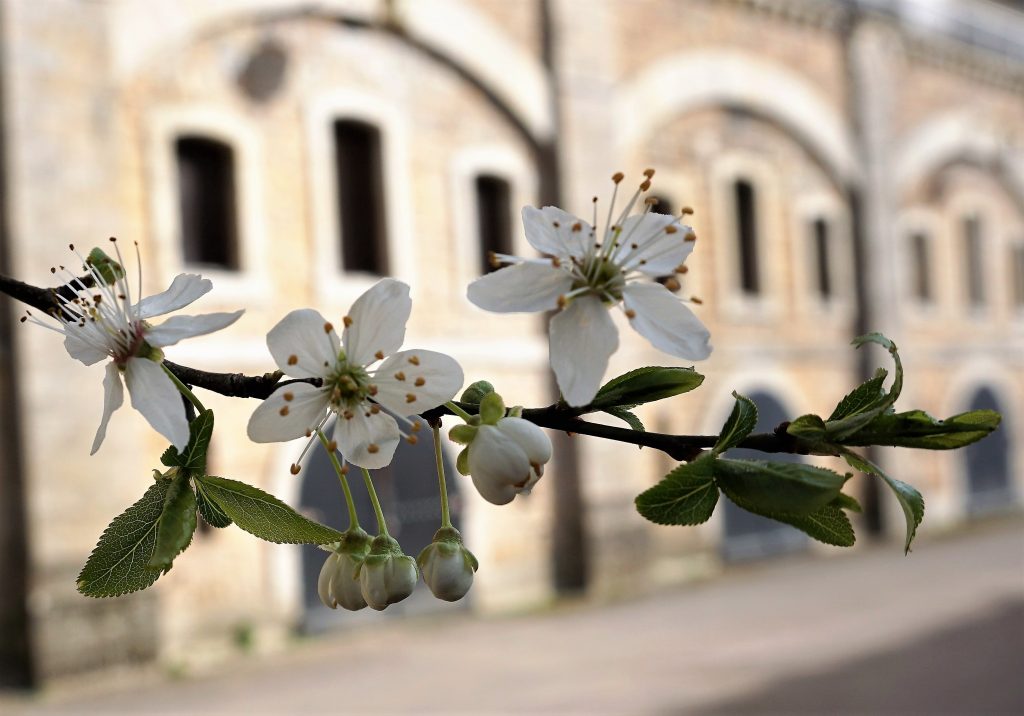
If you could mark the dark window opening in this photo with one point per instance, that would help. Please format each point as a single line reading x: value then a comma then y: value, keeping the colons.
x: 921, y: 267
x: 822, y: 259
x: 494, y: 225
x: 746, y: 236
x: 1018, y: 276
x: 972, y: 249
x: 360, y: 174
x: 206, y: 189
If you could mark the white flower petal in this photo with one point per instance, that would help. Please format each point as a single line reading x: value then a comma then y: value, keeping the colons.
x: 79, y: 347
x: 378, y: 319
x: 531, y: 439
x: 184, y: 289
x: 305, y: 410
x: 524, y: 287
x: 428, y: 377
x: 557, y: 232
x: 113, y: 398
x: 356, y: 434
x: 583, y: 337
x: 323, y: 583
x: 301, y: 345
x: 666, y: 322
x: 154, y: 395
x: 647, y: 246
x: 178, y: 328
x: 497, y: 465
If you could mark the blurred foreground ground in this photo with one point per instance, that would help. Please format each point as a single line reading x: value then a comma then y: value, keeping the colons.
x: 938, y: 632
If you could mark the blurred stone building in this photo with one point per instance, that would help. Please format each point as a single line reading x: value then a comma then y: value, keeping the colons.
x: 854, y: 165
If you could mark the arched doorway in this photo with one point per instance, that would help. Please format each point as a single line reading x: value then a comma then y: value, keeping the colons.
x: 746, y: 535
x: 407, y: 489
x: 988, y: 483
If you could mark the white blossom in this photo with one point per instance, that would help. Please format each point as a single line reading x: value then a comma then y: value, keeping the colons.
x: 584, y: 277
x: 359, y: 374
x: 338, y: 585
x: 102, y: 321
x: 507, y: 458
x: 386, y: 575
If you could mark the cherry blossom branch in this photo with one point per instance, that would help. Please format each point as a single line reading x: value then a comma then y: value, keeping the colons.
x: 554, y: 417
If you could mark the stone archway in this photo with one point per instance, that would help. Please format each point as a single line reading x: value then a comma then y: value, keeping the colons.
x: 988, y: 482
x: 748, y: 536
x: 408, y: 493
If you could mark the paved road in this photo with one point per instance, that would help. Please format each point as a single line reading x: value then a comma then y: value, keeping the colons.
x: 939, y: 632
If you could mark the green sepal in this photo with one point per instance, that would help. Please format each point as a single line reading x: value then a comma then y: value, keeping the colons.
x: 628, y: 417
x: 646, y: 385
x: 462, y: 462
x: 492, y: 408
x: 110, y: 271
x: 909, y: 498
x: 738, y: 425
x: 117, y: 564
x: 918, y: 429
x: 263, y: 515
x: 685, y: 496
x: 176, y: 524
x: 200, y: 430
x: 462, y: 434
x: 354, y: 540
x: 211, y: 513
x: 778, y: 487
x: 476, y: 392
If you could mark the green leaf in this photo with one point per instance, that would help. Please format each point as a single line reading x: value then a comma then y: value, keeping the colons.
x: 773, y: 488
x: 262, y: 514
x: 918, y: 429
x: 847, y: 502
x: 176, y: 524
x: 810, y: 428
x: 862, y: 397
x: 645, y: 385
x: 213, y: 514
x: 740, y: 423
x: 117, y: 564
x: 846, y: 426
x: 628, y: 417
x: 829, y: 525
x: 686, y: 496
x: 193, y: 459
x: 909, y: 498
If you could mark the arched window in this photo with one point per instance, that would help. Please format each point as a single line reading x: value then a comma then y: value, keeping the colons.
x: 972, y: 260
x: 745, y: 209
x: 1017, y: 269
x: 921, y: 267
x: 821, y: 255
x: 360, y: 200
x: 206, y: 191
x: 493, y: 211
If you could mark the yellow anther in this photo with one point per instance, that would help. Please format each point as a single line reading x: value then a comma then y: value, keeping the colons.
x: 328, y: 327
x: 617, y: 177
x: 412, y: 439
x: 283, y: 411
x: 577, y: 227
x: 374, y: 409
x: 687, y: 209
x: 649, y: 173
x: 289, y: 396
x: 399, y: 375
x: 379, y: 355
x: 347, y: 320
x: 630, y: 313
x: 410, y: 398
x: 348, y: 415
x: 293, y: 359
x: 671, y: 229
x: 696, y: 299
x: 332, y: 446
x: 416, y: 426
x: 645, y: 185
x: 672, y: 284
x: 415, y: 360
x: 420, y: 381
x: 373, y: 448
x: 295, y: 469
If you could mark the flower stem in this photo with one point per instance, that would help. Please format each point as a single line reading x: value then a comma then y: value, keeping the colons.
x: 183, y: 389
x: 458, y: 411
x: 382, y: 526
x: 445, y: 516
x: 353, y: 518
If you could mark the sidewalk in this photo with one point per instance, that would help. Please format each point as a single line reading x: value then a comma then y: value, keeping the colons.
x: 940, y: 631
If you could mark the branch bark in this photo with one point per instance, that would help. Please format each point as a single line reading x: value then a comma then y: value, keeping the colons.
x: 554, y: 417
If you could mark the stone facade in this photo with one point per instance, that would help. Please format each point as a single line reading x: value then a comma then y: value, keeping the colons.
x: 809, y: 103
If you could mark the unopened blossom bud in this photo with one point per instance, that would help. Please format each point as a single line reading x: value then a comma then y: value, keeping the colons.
x: 387, y: 575
x: 338, y: 584
x: 507, y: 458
x: 447, y: 565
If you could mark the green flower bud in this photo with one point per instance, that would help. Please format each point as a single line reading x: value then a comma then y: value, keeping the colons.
x: 475, y: 392
x: 338, y: 584
x: 387, y: 575
x: 109, y: 271
x: 447, y: 565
